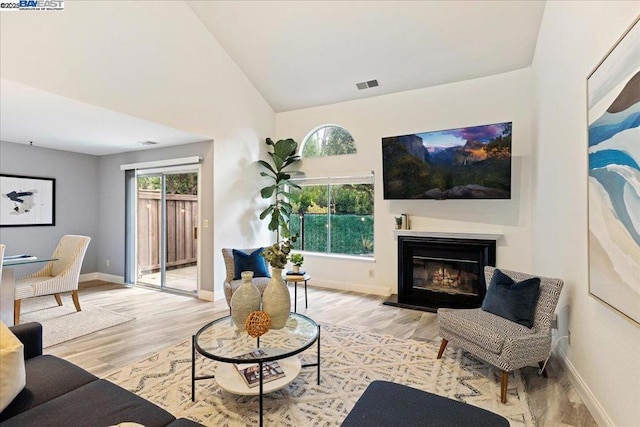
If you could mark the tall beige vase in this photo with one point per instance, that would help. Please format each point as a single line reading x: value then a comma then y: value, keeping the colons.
x: 244, y: 300
x: 276, y: 301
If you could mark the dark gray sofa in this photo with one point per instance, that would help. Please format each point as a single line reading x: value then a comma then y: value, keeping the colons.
x: 387, y: 404
x: 59, y: 393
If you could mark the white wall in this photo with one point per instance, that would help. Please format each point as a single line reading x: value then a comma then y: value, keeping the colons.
x: 500, y: 98
x: 150, y: 59
x: 603, y: 355
x: 154, y: 60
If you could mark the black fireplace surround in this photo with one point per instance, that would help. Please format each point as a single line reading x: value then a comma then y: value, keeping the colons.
x: 436, y: 272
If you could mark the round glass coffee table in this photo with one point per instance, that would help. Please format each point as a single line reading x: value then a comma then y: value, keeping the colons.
x: 254, y: 366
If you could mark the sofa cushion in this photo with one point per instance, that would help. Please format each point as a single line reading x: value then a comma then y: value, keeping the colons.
x: 99, y: 403
x: 480, y: 327
x: 30, y: 334
x: 387, y: 404
x: 513, y: 301
x: 184, y: 422
x: 12, y: 369
x: 47, y: 378
x: 250, y: 262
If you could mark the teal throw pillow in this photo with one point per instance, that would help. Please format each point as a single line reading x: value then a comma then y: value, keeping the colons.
x: 514, y: 301
x: 250, y: 262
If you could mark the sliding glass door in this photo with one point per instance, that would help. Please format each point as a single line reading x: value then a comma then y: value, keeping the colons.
x: 166, y: 229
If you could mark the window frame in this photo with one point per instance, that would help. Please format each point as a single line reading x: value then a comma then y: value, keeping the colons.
x: 345, y: 179
x: 313, y: 131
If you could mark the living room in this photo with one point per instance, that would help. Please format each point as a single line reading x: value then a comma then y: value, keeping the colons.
x: 544, y: 224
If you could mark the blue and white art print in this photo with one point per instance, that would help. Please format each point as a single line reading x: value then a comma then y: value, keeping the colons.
x: 614, y: 177
x: 26, y: 201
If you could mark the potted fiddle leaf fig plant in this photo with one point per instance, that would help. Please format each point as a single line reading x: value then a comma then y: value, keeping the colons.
x: 283, y: 155
x: 275, y: 298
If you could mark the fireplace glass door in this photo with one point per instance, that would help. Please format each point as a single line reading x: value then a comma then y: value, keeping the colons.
x: 442, y: 272
x: 450, y: 276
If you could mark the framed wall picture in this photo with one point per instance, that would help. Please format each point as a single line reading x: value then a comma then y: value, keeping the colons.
x: 613, y: 91
x: 27, y: 201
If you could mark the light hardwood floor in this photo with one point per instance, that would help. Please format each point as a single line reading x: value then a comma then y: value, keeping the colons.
x: 164, y: 319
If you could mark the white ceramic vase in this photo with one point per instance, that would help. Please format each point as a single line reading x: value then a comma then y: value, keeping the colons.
x: 244, y: 300
x: 276, y: 301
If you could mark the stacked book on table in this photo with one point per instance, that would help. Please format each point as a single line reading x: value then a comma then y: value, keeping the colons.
x: 250, y: 372
x: 291, y: 275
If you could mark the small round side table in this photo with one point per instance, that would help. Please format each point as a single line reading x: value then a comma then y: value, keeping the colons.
x: 295, y: 279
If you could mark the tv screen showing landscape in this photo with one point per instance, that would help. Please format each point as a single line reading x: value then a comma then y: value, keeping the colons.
x: 466, y: 163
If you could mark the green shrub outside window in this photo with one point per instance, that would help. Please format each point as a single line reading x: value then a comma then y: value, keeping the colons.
x: 334, y: 218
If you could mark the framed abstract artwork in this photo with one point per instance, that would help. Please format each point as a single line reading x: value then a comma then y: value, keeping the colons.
x: 27, y: 201
x: 613, y: 92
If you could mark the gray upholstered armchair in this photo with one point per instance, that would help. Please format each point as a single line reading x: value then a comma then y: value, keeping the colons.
x: 230, y: 285
x: 500, y: 342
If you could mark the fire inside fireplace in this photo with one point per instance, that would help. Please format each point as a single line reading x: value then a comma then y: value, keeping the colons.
x: 438, y: 272
x: 455, y: 277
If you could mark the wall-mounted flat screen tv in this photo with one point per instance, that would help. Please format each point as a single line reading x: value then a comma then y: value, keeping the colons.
x: 466, y: 163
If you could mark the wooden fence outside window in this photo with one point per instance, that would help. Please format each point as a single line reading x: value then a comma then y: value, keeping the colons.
x: 182, y: 218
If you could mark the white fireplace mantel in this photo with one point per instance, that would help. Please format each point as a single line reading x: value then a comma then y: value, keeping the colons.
x: 448, y: 234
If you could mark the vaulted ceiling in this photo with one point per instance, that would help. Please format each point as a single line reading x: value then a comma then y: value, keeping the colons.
x: 297, y: 54
x: 307, y: 53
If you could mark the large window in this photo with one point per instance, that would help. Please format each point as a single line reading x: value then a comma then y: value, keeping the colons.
x: 334, y: 215
x: 328, y: 140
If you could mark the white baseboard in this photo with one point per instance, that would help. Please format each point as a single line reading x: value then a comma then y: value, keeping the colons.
x: 88, y: 277
x: 354, y: 287
x: 205, y: 295
x: 588, y: 398
x: 101, y: 276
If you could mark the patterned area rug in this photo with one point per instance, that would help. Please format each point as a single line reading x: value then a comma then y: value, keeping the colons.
x: 64, y: 323
x: 351, y: 359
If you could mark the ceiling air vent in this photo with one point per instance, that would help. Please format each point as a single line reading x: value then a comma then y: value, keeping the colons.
x: 367, y: 84
x: 145, y: 143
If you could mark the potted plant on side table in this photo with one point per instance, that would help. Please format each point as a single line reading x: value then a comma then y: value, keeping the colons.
x: 297, y: 260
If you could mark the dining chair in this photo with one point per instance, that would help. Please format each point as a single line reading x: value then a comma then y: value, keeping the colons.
x: 55, y: 277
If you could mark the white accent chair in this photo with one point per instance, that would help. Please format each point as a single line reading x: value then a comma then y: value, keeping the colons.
x: 57, y: 276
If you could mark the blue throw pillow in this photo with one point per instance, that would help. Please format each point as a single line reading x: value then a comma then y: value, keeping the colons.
x: 250, y: 262
x: 514, y: 301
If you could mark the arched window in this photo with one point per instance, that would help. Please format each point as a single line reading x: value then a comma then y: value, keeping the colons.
x: 328, y: 140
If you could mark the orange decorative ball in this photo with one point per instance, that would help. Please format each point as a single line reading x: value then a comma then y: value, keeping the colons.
x: 257, y: 323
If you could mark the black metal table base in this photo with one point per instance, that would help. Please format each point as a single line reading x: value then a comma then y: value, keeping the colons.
x: 295, y: 293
